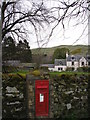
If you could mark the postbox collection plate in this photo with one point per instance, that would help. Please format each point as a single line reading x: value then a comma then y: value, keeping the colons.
x: 42, y: 97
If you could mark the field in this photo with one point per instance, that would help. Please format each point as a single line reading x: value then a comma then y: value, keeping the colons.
x: 20, y: 72
x: 24, y: 72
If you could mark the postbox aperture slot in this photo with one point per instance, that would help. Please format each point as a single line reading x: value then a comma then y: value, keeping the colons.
x: 41, y: 97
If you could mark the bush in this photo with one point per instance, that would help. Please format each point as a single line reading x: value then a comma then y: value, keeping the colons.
x: 36, y: 73
x: 70, y: 69
x: 9, y: 69
x: 44, y: 68
x: 80, y: 69
x: 83, y: 69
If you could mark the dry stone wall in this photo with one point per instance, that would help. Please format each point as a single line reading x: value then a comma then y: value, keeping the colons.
x: 13, y: 97
x: 68, y: 96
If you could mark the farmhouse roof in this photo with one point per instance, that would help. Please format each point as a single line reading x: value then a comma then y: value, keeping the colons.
x: 47, y: 65
x: 28, y: 64
x: 88, y: 58
x: 74, y: 57
x: 60, y: 62
x: 11, y: 62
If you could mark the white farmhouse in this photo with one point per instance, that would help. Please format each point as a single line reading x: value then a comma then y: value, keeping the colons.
x: 73, y: 61
x: 60, y: 65
x: 76, y: 61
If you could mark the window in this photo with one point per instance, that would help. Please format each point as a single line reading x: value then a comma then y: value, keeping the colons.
x: 82, y: 63
x: 72, y: 63
x: 60, y: 68
x: 72, y: 57
x: 88, y: 57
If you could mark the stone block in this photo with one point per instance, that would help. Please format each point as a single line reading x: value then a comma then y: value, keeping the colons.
x: 30, y: 102
x: 31, y: 94
x: 30, y: 88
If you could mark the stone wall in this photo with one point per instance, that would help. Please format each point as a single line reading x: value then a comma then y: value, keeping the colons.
x: 68, y: 96
x: 13, y: 96
x: 30, y: 83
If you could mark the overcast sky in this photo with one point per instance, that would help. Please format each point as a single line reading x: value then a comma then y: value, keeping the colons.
x: 72, y: 35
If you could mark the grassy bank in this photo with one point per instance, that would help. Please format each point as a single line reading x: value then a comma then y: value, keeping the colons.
x: 24, y: 72
x: 67, y: 73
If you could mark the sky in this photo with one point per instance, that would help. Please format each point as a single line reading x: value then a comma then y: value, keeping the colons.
x: 71, y: 35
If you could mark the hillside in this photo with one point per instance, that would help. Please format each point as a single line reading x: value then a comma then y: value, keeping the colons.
x: 77, y: 49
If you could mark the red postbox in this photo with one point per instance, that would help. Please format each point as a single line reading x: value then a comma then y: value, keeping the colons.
x: 42, y: 97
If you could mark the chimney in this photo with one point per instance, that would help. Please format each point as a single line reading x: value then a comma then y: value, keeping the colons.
x: 66, y: 54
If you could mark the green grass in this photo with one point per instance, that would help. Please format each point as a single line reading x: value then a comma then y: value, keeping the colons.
x: 22, y: 72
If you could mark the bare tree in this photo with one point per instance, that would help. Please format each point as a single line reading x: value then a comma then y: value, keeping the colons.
x: 18, y: 16
x: 14, y: 18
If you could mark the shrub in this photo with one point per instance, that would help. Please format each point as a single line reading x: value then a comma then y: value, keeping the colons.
x: 8, y: 69
x: 86, y: 69
x: 80, y: 69
x: 36, y: 73
x: 83, y: 69
x: 44, y: 68
x: 70, y: 69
